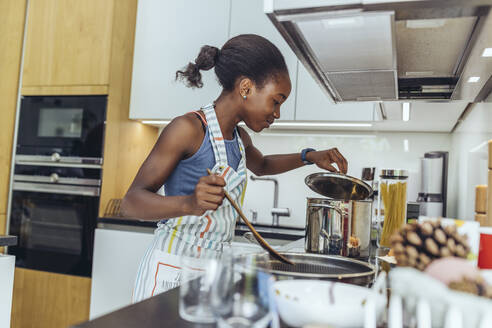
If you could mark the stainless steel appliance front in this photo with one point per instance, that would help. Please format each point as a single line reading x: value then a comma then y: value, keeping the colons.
x: 54, y: 199
x: 54, y: 224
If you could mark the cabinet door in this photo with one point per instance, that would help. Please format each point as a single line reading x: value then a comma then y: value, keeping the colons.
x: 117, y: 255
x: 12, y: 16
x: 68, y: 43
x: 169, y: 34
x: 46, y: 299
x: 247, y: 17
x: 314, y: 105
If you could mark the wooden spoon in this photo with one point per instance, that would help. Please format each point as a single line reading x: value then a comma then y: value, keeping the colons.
x: 263, y: 243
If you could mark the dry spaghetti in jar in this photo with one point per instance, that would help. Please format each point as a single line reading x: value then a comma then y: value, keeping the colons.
x: 392, y: 199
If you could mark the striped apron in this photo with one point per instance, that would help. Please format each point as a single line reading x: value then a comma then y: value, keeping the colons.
x: 193, y: 236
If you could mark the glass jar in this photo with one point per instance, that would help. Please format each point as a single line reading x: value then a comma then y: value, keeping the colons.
x: 392, y: 204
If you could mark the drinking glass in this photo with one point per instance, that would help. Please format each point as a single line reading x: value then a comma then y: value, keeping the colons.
x: 197, y: 279
x: 241, y: 295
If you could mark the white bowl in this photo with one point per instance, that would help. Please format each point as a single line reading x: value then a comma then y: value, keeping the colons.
x: 303, y: 302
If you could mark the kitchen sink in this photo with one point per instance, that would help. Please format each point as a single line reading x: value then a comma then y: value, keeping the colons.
x: 273, y: 234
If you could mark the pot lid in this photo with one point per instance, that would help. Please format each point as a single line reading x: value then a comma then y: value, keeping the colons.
x: 338, y: 186
x: 394, y: 174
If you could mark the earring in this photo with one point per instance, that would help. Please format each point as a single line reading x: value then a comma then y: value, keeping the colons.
x: 244, y: 97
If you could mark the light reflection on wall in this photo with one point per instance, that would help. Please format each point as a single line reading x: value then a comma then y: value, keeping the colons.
x: 468, y: 163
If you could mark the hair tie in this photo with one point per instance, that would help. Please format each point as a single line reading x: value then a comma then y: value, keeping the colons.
x: 196, y: 68
x: 217, y: 54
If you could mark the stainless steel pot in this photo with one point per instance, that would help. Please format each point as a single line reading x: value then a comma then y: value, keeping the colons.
x: 330, y: 223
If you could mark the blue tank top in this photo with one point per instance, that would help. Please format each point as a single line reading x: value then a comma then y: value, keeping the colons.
x: 185, y: 176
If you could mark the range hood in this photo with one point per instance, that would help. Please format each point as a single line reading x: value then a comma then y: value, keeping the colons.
x: 385, y: 50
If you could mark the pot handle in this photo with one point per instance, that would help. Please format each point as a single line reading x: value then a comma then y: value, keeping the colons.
x: 324, y: 234
x: 336, y: 208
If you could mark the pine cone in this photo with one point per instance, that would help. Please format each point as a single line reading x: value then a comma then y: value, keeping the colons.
x: 417, y: 245
x: 476, y: 286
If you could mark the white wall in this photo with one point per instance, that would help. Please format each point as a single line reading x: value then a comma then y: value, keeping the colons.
x: 469, y: 143
x: 362, y: 149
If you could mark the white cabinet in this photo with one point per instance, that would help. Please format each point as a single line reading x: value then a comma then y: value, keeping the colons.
x: 169, y: 34
x: 247, y: 17
x: 312, y: 104
x: 7, y: 264
x: 117, y: 255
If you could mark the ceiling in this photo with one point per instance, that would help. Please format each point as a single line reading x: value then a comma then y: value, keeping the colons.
x: 477, y: 65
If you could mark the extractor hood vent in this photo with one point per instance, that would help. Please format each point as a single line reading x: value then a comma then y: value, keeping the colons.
x: 366, y: 50
x: 356, y: 53
x: 364, y: 85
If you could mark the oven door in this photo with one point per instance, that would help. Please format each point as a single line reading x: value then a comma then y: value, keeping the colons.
x: 69, y: 126
x: 55, y: 226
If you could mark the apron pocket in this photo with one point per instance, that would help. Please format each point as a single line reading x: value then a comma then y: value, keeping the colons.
x: 166, y: 272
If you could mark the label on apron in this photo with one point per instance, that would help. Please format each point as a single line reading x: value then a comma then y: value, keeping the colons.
x: 168, y: 270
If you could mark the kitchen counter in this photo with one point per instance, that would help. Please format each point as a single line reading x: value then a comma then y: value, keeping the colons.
x: 127, y: 222
x: 158, y: 311
x: 8, y: 240
x: 266, y: 231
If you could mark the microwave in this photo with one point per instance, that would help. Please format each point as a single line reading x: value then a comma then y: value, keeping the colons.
x: 61, y: 128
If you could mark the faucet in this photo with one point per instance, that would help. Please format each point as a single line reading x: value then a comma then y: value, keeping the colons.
x: 276, y: 211
x: 254, y: 216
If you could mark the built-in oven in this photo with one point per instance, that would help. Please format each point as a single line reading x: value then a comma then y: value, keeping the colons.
x: 54, y: 215
x: 64, y: 129
x: 56, y: 182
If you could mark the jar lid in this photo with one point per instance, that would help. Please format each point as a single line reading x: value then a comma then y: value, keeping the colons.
x: 338, y: 186
x: 394, y: 174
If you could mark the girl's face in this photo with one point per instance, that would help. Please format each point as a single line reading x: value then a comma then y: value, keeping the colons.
x: 262, y: 106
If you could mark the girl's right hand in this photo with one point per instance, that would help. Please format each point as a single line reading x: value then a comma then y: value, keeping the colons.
x: 208, y: 194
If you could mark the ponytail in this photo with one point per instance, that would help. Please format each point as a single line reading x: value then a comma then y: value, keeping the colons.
x: 190, y: 75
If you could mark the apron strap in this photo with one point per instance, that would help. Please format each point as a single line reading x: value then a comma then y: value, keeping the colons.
x: 216, y: 138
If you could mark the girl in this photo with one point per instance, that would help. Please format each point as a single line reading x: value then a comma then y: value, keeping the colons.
x: 194, y: 220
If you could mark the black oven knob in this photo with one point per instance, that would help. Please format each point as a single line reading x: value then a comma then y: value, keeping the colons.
x: 54, y: 178
x: 55, y: 157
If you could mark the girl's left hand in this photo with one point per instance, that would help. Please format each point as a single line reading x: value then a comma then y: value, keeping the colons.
x: 325, y: 158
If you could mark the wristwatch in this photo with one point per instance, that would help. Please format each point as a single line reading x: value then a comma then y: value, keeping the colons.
x: 303, y: 155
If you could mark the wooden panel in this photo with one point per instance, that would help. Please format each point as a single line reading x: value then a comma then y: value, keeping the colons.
x: 12, y: 16
x: 43, y: 299
x: 2, y: 229
x: 65, y: 90
x: 127, y: 142
x: 67, y: 42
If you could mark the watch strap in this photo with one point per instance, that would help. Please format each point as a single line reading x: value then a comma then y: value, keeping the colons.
x: 303, y: 155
